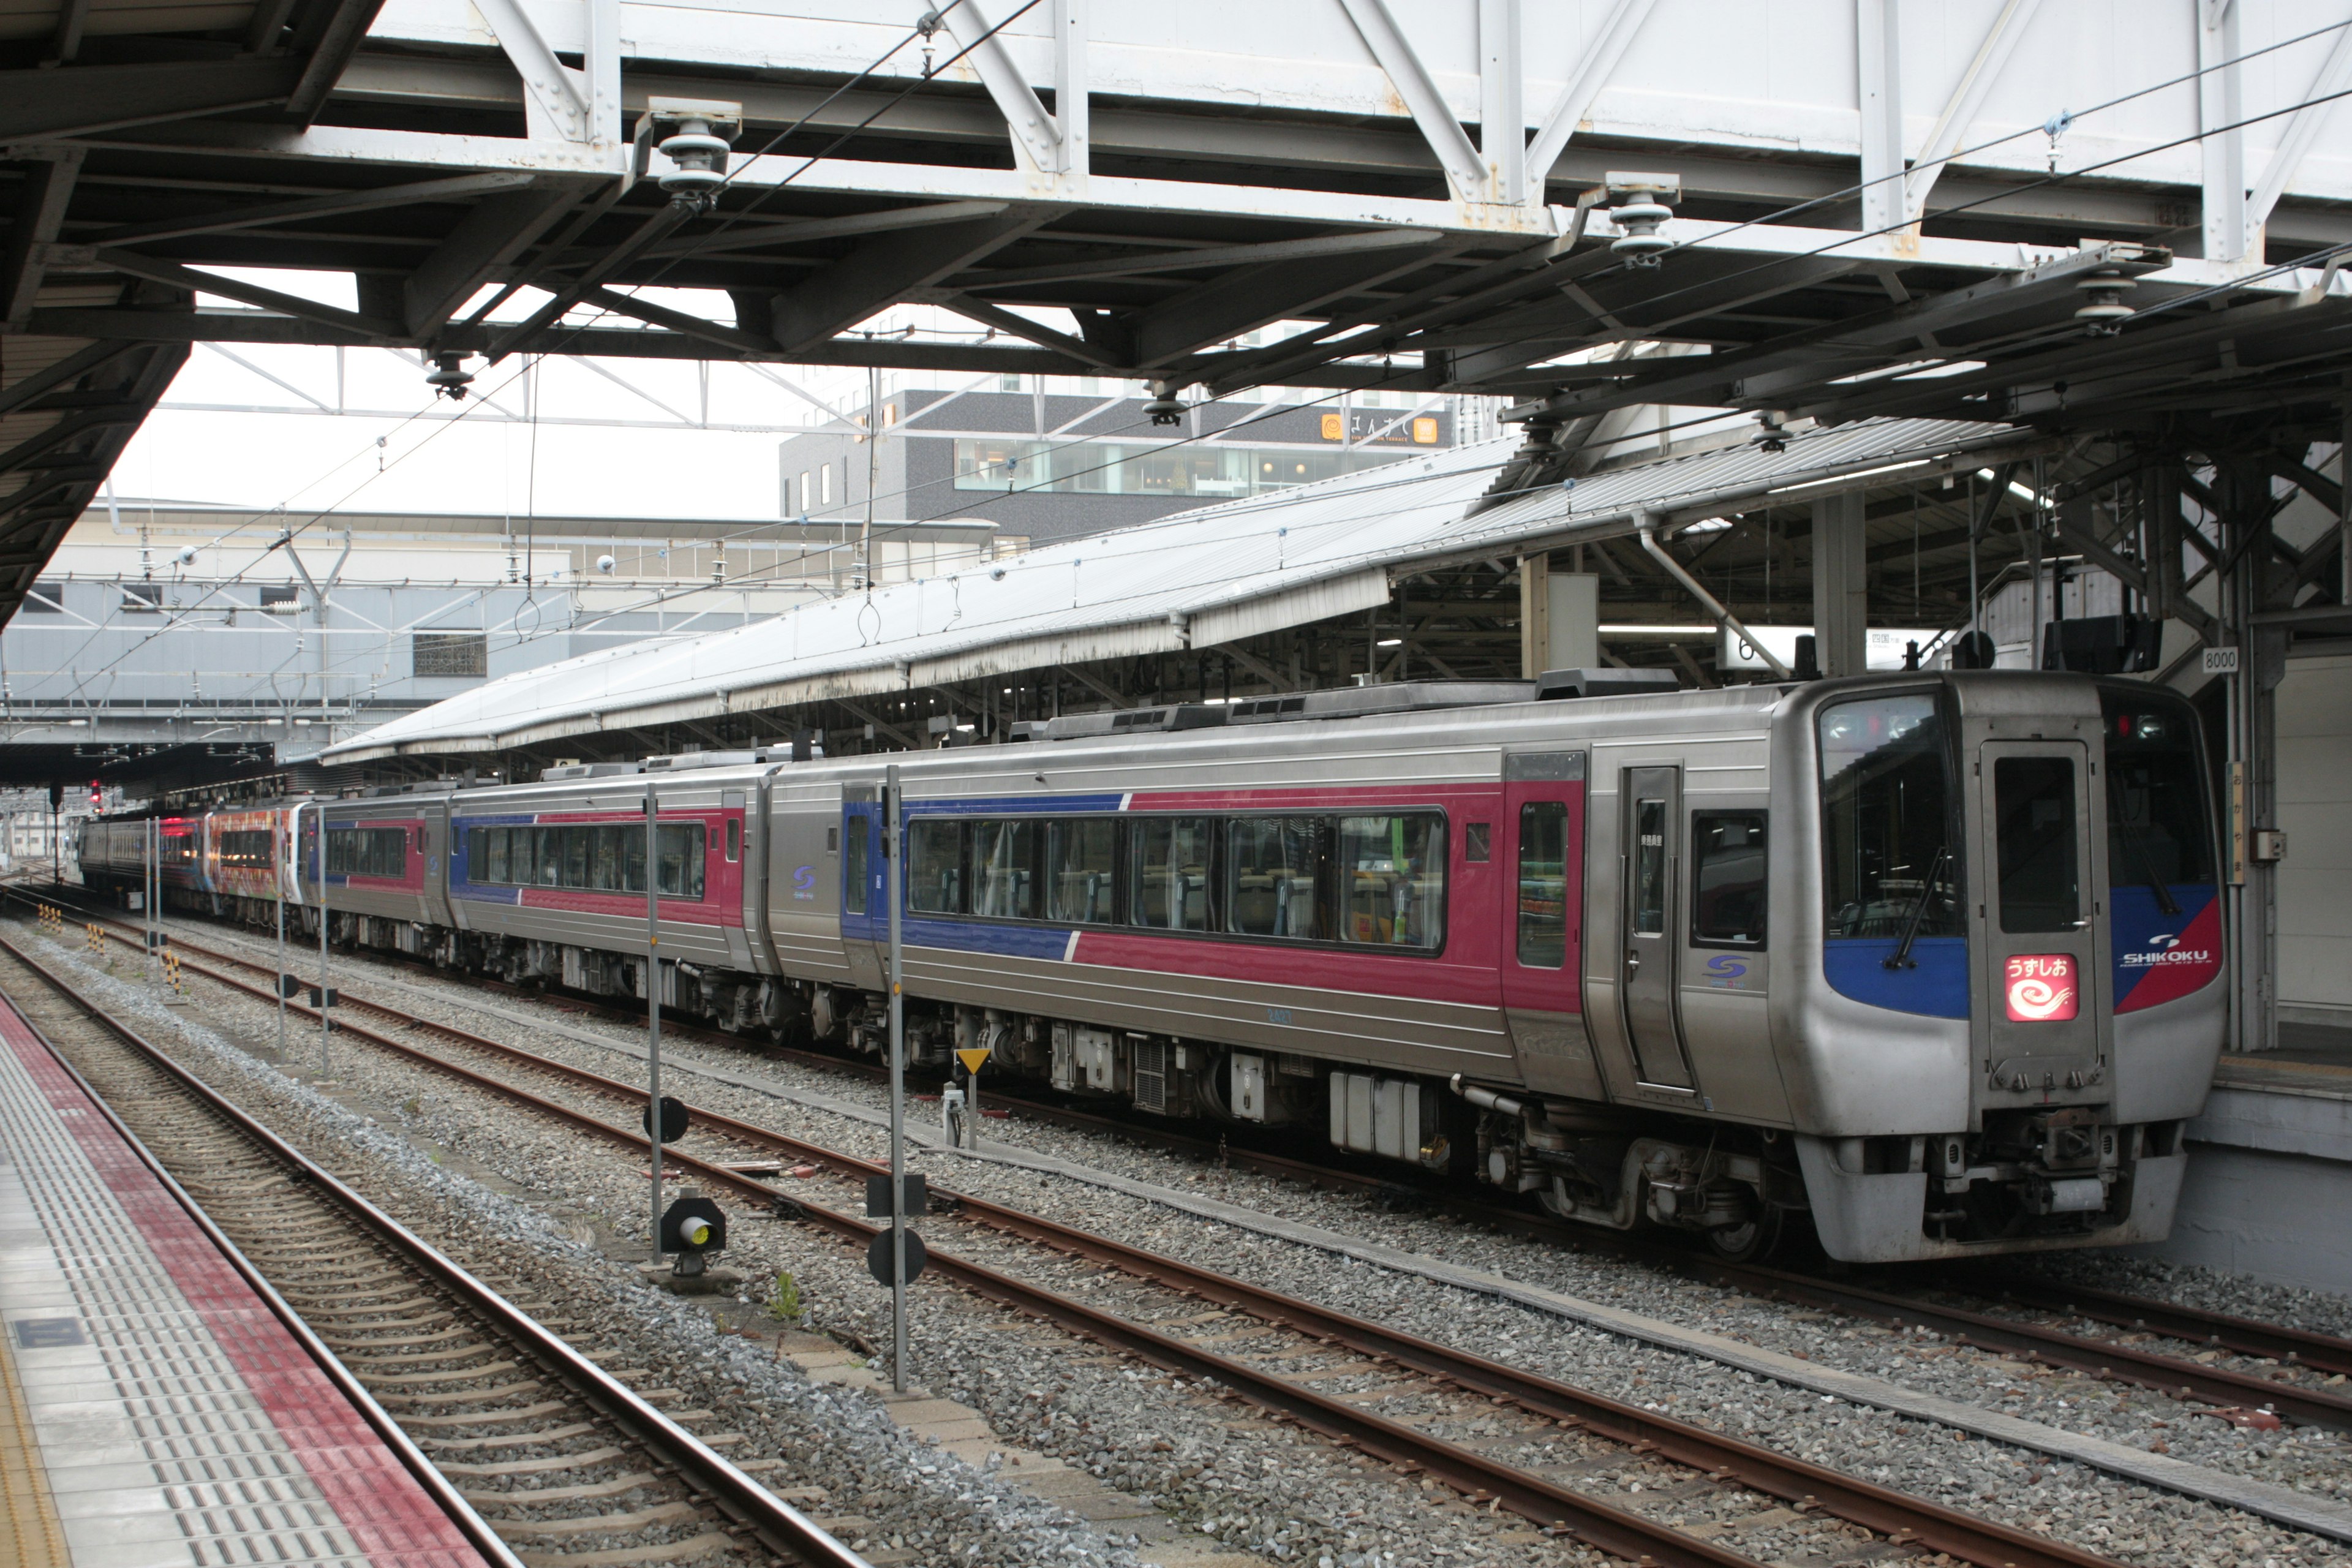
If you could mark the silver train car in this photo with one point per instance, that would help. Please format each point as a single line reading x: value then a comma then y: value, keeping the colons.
x: 1931, y: 960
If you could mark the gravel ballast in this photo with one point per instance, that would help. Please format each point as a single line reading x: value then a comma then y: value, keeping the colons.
x: 2021, y: 1488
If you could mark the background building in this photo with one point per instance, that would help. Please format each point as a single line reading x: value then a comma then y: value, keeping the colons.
x: 1054, y: 457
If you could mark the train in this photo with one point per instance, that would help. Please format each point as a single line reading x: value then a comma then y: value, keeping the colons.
x: 1928, y: 961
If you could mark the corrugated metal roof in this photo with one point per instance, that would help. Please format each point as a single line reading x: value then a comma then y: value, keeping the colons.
x: 1195, y: 578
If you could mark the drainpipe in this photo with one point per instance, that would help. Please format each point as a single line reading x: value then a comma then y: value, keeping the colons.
x: 1646, y: 526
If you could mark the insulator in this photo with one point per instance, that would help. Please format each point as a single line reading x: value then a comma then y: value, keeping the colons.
x: 701, y: 163
x: 2103, y: 311
x: 1641, y: 245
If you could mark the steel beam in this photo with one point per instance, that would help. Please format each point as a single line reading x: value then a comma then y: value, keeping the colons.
x: 1041, y: 138
x: 132, y: 264
x: 2221, y: 103
x: 1502, y: 116
x: 86, y: 101
x: 2302, y: 129
x: 878, y: 272
x: 1841, y: 586
x: 558, y: 100
x: 1022, y: 327
x: 1967, y: 97
x: 332, y: 39
x: 65, y: 40
x: 748, y: 234
x: 485, y: 241
x: 367, y: 200
x: 40, y: 214
x: 1418, y: 91
x: 1878, y: 63
x: 1584, y: 84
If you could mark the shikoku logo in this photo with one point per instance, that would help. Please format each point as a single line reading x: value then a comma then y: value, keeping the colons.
x: 2165, y: 947
x: 2040, y: 987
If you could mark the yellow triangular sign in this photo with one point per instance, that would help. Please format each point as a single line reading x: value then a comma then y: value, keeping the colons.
x: 972, y: 1060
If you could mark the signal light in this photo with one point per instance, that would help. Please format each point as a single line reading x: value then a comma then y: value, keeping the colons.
x: 691, y: 1227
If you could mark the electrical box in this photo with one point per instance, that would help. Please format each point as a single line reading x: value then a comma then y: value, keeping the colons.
x: 1396, y: 1118
x: 2270, y: 846
x: 1249, y: 1086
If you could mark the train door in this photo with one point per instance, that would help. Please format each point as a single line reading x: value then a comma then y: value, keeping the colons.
x: 2041, y: 936
x: 865, y: 914
x: 1541, y: 846
x: 1650, y: 923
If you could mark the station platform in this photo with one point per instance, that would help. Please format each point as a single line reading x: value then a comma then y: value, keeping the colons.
x: 2269, y: 1188
x: 155, y: 1413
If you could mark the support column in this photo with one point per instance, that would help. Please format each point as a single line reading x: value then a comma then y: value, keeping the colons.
x: 1560, y: 618
x: 1840, y: 586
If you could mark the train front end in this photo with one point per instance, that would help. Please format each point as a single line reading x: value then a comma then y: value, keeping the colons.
x: 2015, y: 894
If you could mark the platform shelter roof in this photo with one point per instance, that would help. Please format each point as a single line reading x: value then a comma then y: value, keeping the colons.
x: 1195, y: 580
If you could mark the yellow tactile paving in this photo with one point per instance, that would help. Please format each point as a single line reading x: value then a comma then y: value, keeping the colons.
x: 30, y: 1535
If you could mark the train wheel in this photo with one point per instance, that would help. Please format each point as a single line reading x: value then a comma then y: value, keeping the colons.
x: 1752, y: 1238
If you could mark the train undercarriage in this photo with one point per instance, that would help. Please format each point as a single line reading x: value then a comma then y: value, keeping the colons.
x: 2053, y: 1175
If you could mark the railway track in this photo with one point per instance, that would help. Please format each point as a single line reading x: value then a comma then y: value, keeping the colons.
x: 1630, y: 1481
x: 2282, y: 1357
x: 561, y: 1458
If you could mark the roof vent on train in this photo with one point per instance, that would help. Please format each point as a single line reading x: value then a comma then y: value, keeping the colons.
x: 1360, y: 701
x: 587, y: 771
x: 1135, y: 721
x: 684, y: 759
x: 1561, y: 685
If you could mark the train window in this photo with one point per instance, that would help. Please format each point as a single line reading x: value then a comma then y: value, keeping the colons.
x: 1543, y: 884
x: 1649, y: 867
x: 2159, y: 833
x: 2033, y: 808
x: 1727, y: 878
x: 1392, y: 871
x: 1274, y: 875
x: 853, y: 868
x: 608, y: 856
x: 1477, y: 843
x: 547, y: 858
x: 935, y: 865
x: 1168, y: 873
x: 1003, y: 868
x: 1887, y: 854
x: 1081, y: 856
x: 488, y: 855
x: 245, y: 848
x: 367, y: 851
x: 578, y: 854
x: 683, y: 849
x: 734, y: 840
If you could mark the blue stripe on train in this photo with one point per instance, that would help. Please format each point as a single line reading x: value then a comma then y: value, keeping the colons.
x: 986, y: 936
x: 1855, y: 966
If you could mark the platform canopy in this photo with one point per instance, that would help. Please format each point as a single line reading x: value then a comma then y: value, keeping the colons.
x: 1445, y: 196
x: 1197, y: 580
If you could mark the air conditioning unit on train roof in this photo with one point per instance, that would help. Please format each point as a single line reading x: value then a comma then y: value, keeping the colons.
x: 1563, y: 685
x: 1135, y: 721
x: 588, y: 771
x: 1362, y: 701
x: 704, y: 760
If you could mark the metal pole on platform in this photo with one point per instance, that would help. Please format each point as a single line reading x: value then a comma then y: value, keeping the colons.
x: 153, y: 883
x: 277, y: 876
x: 653, y: 1006
x: 893, y: 848
x: 325, y: 1026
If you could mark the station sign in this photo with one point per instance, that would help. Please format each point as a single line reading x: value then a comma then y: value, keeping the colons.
x: 1883, y: 646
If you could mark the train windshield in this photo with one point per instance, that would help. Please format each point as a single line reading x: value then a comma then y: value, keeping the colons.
x: 1889, y: 870
x: 2158, y: 831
